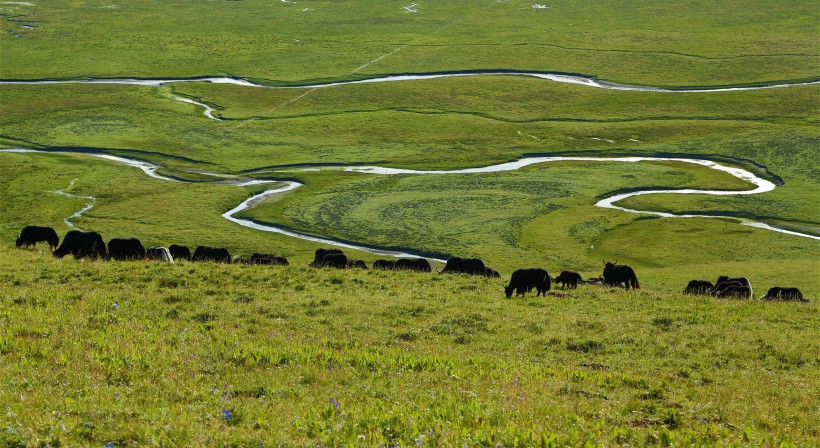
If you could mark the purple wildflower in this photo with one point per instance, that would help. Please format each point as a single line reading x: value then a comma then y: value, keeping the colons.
x: 227, y: 414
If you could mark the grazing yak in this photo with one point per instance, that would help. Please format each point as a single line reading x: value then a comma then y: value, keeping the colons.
x: 413, y: 264
x: 573, y: 279
x: 269, y: 259
x: 126, y: 249
x: 471, y: 266
x: 358, y: 264
x: 723, y: 282
x: 180, y: 252
x: 159, y: 254
x: 320, y: 254
x: 384, y: 264
x: 698, y: 287
x: 31, y: 235
x: 492, y: 273
x: 218, y: 254
x: 620, y: 275
x: 334, y: 260
x: 786, y: 294
x: 408, y: 264
x: 82, y: 244
x: 792, y: 294
x: 525, y: 280
x: 734, y: 289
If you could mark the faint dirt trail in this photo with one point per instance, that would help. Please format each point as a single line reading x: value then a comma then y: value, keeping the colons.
x: 373, y: 61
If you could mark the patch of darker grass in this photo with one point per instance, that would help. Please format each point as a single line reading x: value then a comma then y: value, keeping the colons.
x: 588, y: 346
x: 464, y: 325
x: 664, y: 323
x: 205, y: 317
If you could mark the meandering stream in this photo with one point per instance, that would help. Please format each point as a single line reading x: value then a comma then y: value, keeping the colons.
x: 551, y: 76
x: 77, y: 214
x: 760, y: 186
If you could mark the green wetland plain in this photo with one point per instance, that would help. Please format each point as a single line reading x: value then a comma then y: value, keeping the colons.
x: 97, y: 353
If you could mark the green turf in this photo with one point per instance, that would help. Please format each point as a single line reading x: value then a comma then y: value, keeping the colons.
x: 137, y: 353
x: 142, y: 353
x: 674, y: 43
x: 542, y: 215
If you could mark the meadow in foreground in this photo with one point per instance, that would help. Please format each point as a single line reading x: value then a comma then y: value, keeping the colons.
x: 142, y: 353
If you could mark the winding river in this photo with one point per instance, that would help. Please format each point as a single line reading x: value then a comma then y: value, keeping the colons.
x: 77, y: 214
x: 760, y: 186
x: 551, y: 76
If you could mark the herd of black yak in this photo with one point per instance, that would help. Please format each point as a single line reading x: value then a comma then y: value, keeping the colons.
x: 90, y: 244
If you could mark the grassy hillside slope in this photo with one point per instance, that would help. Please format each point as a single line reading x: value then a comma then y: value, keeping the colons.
x: 140, y: 353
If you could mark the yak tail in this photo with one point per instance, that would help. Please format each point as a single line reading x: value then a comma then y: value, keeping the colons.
x: 635, y: 283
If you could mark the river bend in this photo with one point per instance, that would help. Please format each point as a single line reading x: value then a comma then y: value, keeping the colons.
x: 760, y: 186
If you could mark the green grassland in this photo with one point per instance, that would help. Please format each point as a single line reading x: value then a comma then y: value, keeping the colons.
x: 159, y: 212
x: 211, y: 355
x: 674, y: 43
x: 434, y: 123
x: 542, y: 215
x: 140, y: 353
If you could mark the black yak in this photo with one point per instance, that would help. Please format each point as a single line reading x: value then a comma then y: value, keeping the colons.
x: 358, y: 264
x: 724, y: 281
x: 159, y: 254
x: 31, y: 235
x: 320, y: 254
x: 779, y: 293
x: 333, y: 260
x: 384, y: 264
x: 734, y: 289
x: 413, y: 264
x: 792, y: 294
x: 472, y: 266
x: 620, y: 275
x: 269, y: 259
x: 82, y: 244
x: 126, y: 249
x: 218, y: 254
x: 524, y: 280
x: 698, y: 287
x: 180, y: 252
x: 573, y: 279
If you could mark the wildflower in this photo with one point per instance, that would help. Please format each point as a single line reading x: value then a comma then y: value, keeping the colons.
x: 227, y: 415
x: 334, y: 403
x: 109, y: 445
x: 116, y: 305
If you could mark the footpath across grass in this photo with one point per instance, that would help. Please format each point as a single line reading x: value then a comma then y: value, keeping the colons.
x: 139, y: 353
